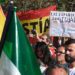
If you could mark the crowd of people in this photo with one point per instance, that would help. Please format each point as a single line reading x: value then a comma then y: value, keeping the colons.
x: 53, y: 60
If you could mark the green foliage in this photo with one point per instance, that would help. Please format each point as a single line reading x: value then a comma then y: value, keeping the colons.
x: 62, y: 5
x: 30, y: 4
x: 1, y: 1
x: 66, y: 5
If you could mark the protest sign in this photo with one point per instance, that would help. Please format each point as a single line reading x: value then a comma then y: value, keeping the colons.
x: 62, y: 24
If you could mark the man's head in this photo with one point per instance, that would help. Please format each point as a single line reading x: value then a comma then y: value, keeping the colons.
x: 70, y: 51
x: 61, y: 54
x: 57, y: 69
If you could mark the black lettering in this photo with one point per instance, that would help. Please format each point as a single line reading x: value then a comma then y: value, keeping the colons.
x: 34, y: 24
x: 26, y: 30
x: 46, y: 25
x: 40, y: 24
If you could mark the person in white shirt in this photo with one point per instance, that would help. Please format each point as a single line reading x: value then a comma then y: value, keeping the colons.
x: 43, y: 55
x: 70, y: 55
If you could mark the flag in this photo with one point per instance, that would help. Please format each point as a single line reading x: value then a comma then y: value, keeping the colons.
x: 17, y: 57
x: 2, y: 21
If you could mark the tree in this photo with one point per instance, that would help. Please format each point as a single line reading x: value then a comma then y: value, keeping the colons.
x: 66, y: 5
x: 29, y: 4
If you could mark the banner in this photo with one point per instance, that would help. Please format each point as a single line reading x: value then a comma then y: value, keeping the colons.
x: 62, y: 24
x: 36, y: 19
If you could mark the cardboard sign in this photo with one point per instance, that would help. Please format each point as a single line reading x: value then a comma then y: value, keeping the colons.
x: 62, y: 24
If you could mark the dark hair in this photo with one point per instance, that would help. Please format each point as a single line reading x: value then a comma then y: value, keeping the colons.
x: 54, y: 66
x: 70, y: 41
x: 33, y: 32
x: 45, y: 51
x: 56, y: 51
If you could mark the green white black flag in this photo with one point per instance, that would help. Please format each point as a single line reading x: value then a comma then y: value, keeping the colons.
x: 17, y: 57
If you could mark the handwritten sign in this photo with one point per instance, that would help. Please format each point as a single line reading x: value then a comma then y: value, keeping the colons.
x: 62, y: 24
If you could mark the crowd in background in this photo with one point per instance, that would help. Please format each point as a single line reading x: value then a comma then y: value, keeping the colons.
x: 54, y: 57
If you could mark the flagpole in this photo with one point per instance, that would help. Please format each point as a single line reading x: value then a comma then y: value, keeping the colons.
x: 10, y: 7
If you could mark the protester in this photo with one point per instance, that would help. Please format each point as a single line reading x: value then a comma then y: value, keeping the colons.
x: 32, y: 36
x: 61, y: 56
x: 70, y: 55
x: 44, y: 38
x: 52, y: 50
x: 43, y: 55
x: 56, y: 69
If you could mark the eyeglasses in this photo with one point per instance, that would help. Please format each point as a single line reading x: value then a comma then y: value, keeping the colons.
x: 59, y: 52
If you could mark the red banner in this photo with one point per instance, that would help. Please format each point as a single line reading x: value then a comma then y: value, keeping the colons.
x: 33, y: 14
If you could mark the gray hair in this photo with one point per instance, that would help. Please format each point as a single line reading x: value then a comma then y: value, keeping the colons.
x: 54, y: 66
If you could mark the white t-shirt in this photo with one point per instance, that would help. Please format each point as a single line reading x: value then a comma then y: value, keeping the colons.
x: 42, y: 68
x: 72, y: 71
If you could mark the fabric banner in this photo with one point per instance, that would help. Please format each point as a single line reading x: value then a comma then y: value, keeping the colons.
x: 62, y: 24
x: 17, y: 56
x: 36, y: 19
